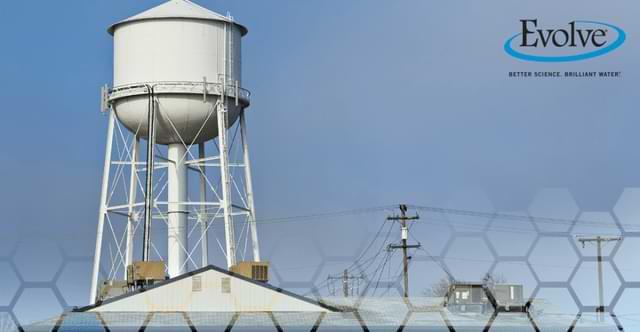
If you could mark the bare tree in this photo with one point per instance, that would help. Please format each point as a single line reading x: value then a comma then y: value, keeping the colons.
x: 438, y: 289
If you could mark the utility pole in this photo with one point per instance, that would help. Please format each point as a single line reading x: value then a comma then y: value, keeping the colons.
x: 345, y: 283
x: 348, y: 282
x: 599, y: 241
x: 403, y: 219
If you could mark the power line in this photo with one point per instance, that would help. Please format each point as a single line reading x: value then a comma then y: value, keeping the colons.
x: 446, y: 211
x: 513, y: 217
x: 367, y: 263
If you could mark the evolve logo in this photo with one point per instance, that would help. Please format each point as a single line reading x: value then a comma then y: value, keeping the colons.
x: 580, y: 40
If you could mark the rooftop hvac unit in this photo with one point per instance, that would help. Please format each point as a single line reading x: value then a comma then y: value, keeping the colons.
x: 258, y: 271
x: 144, y: 273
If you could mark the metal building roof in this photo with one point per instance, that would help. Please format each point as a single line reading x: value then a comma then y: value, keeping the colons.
x: 178, y: 9
x: 373, y: 314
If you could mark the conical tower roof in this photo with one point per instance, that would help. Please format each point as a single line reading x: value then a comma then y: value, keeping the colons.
x: 178, y: 9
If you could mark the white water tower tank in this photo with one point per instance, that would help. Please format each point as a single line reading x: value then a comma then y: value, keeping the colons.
x: 179, y: 48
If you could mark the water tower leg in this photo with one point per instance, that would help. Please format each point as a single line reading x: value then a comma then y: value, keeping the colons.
x: 177, y: 214
x: 225, y: 180
x: 204, y: 220
x: 133, y: 189
x: 249, y: 189
x: 103, y: 209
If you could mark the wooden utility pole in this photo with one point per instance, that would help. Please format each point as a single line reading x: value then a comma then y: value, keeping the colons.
x: 599, y: 241
x: 349, y: 283
x: 403, y: 219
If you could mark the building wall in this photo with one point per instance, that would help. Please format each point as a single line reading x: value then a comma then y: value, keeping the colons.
x: 210, y: 291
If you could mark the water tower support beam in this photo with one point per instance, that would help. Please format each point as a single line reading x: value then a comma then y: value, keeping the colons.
x: 132, y: 200
x: 177, y: 213
x: 148, y: 199
x: 103, y: 209
x: 226, y: 185
x: 203, y: 219
x: 249, y: 188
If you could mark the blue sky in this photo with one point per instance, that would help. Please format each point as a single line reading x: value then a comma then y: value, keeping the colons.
x: 408, y: 98
x: 354, y: 104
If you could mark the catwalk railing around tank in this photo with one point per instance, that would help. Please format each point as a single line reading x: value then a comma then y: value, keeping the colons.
x: 231, y: 90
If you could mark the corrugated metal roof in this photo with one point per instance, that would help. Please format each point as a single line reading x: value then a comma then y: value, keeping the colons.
x: 178, y: 9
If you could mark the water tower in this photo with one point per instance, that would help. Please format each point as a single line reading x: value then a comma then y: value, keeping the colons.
x: 177, y: 94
